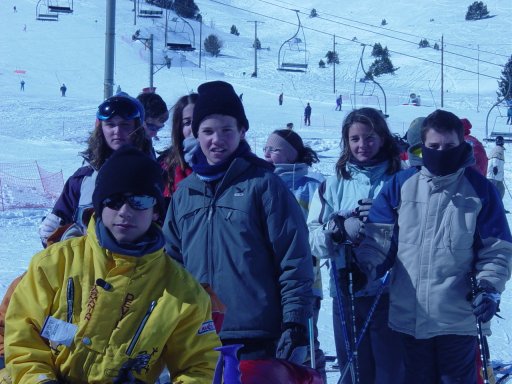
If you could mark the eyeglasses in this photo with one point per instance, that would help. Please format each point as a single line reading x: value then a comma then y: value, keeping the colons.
x: 118, y: 106
x: 154, y: 127
x: 271, y: 150
x: 137, y: 202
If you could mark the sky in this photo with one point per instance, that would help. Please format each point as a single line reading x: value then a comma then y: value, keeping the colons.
x: 39, y: 125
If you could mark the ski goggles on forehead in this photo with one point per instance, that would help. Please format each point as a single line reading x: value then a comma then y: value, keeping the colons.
x: 118, y: 106
x: 137, y: 202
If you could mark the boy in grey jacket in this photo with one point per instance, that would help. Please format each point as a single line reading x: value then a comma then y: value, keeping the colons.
x: 238, y: 229
x: 436, y: 224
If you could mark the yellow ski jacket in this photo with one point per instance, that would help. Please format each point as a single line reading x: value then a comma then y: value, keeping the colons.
x: 125, y: 317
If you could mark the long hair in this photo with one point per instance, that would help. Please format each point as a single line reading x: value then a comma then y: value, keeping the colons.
x: 98, y: 151
x: 175, y: 157
x: 304, y: 154
x: 374, y: 119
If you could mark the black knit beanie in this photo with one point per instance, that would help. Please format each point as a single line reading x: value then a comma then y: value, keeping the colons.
x: 128, y: 170
x: 217, y: 97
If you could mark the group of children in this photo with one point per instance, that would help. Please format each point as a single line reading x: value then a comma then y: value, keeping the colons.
x: 156, y: 261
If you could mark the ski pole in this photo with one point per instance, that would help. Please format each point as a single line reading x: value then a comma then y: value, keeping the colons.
x: 352, y: 299
x: 312, y: 342
x: 480, y: 334
x: 366, y: 322
x: 334, y: 272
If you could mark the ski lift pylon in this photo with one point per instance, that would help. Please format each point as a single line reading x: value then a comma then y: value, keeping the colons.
x: 295, y: 63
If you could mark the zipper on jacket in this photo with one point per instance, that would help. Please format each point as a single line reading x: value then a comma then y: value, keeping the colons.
x: 140, y: 328
x: 70, y: 298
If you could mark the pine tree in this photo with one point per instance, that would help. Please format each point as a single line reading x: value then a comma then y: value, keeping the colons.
x: 313, y: 13
x: 186, y: 8
x: 382, y: 64
x: 212, y: 45
x: 476, y: 11
x: 504, y: 81
x: 321, y: 64
x: 424, y: 43
x: 332, y: 57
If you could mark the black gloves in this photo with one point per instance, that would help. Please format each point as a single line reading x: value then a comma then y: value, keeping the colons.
x: 363, y: 210
x: 292, y: 345
x: 346, y: 229
x: 486, y: 302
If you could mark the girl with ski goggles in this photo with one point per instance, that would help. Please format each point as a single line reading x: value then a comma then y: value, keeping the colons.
x: 122, y: 106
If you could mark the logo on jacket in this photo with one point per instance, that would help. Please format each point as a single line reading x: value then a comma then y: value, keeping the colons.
x: 206, y: 327
x: 238, y: 192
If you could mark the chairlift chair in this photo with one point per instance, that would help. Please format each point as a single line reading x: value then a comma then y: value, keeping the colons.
x: 291, y: 59
x: 43, y: 12
x: 183, y: 35
x: 148, y: 13
x: 63, y: 7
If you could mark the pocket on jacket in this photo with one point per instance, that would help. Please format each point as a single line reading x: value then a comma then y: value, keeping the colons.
x: 460, y: 223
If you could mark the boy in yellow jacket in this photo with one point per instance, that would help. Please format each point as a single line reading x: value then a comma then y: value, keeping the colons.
x: 111, y: 306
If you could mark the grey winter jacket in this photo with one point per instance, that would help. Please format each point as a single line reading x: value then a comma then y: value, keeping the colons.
x: 247, y: 238
x: 436, y: 230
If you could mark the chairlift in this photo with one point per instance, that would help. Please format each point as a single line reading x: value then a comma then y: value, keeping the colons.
x: 147, y: 12
x: 183, y: 35
x: 293, y: 55
x: 43, y: 13
x: 63, y: 7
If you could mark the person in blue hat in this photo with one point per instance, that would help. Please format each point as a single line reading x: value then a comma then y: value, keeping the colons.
x: 119, y: 121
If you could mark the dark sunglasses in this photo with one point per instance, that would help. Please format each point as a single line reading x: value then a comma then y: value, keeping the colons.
x: 118, y: 106
x: 137, y: 202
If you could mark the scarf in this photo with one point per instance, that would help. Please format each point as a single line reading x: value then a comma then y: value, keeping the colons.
x: 152, y: 241
x: 446, y: 162
x: 378, y: 158
x: 208, y: 172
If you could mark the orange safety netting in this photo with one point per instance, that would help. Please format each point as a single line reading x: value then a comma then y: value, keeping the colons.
x: 27, y: 185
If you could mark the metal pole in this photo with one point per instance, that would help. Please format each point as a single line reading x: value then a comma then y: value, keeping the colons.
x: 334, y: 64
x: 151, y: 61
x: 200, y: 39
x: 255, y: 49
x: 442, y: 71
x: 478, y: 79
x: 110, y: 35
x: 134, y: 12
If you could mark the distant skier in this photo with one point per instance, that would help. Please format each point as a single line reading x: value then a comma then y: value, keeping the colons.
x: 63, y: 89
x: 339, y: 103
x: 281, y: 99
x: 307, y: 115
x: 14, y: 9
x: 22, y: 85
x: 118, y: 89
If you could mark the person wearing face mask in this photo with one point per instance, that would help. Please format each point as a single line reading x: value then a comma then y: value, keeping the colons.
x: 441, y: 225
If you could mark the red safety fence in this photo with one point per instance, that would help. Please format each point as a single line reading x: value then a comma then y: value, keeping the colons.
x: 27, y: 185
